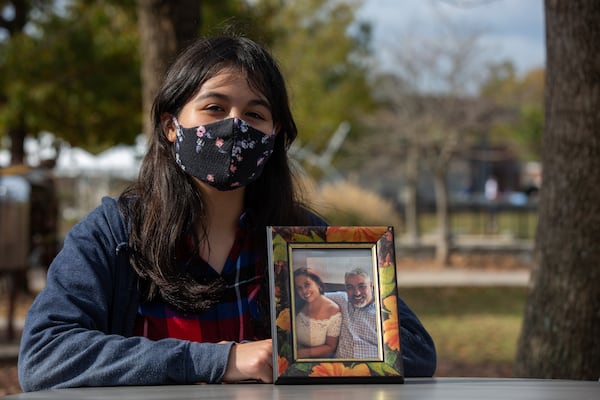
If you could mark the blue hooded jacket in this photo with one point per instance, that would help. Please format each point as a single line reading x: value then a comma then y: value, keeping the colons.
x: 78, y: 331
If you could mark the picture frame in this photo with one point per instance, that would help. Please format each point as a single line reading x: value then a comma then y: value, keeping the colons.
x: 342, y: 262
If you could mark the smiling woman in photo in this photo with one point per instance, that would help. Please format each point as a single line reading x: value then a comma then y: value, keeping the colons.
x: 318, y: 319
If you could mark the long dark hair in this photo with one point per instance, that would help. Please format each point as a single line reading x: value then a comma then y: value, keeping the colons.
x: 164, y: 205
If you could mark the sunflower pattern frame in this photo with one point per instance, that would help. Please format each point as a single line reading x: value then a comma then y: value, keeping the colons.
x: 289, y: 370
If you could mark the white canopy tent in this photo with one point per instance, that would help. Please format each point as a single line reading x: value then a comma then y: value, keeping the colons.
x: 122, y: 161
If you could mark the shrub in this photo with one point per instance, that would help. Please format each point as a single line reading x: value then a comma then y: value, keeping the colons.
x: 345, y: 203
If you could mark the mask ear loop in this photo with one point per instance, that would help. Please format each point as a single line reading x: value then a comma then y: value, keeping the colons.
x: 177, y: 124
x: 179, y: 129
x: 178, y: 139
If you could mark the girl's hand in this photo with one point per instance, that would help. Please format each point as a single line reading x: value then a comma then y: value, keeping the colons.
x: 251, y: 360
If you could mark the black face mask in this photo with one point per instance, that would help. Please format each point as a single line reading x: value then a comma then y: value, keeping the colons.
x: 227, y: 154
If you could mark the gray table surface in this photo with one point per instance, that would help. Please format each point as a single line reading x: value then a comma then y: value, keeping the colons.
x: 425, y: 389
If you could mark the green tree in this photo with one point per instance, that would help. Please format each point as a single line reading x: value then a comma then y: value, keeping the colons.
x: 526, y: 96
x: 238, y: 17
x: 322, y: 48
x: 76, y: 75
x: 15, y: 16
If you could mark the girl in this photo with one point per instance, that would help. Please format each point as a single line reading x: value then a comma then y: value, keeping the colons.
x: 318, y: 319
x: 168, y: 284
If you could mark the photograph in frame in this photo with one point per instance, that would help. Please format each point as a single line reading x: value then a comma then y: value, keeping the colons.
x: 334, y: 304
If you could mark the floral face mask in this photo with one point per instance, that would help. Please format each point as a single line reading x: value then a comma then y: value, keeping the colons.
x: 226, y: 154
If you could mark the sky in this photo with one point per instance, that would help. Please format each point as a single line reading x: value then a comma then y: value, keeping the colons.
x: 508, y: 29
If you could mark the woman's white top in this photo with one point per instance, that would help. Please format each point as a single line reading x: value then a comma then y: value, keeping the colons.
x: 313, y: 332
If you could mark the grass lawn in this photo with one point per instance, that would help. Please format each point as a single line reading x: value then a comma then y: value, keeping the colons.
x: 520, y: 224
x: 475, y: 329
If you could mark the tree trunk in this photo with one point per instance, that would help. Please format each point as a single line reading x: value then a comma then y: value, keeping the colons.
x: 17, y: 132
x: 410, y: 196
x: 166, y: 27
x: 561, y: 330
x: 442, y: 248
